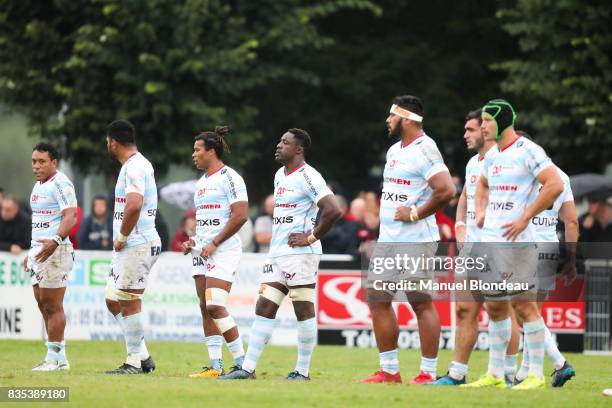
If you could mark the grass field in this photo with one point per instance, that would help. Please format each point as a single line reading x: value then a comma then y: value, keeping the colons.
x: 335, y: 374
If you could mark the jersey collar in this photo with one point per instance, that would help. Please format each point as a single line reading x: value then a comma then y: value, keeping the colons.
x: 294, y: 170
x: 51, y: 177
x: 513, y: 142
x: 216, y: 171
x: 409, y: 143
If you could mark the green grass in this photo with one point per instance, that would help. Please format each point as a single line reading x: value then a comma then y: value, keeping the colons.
x: 335, y: 374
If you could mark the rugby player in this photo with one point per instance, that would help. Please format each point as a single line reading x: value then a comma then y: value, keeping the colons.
x: 299, y: 192
x: 222, y: 207
x: 136, y: 245
x: 468, y: 306
x: 51, y: 256
x: 416, y: 184
x: 504, y: 192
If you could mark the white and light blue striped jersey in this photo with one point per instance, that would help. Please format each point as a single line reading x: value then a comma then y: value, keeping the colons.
x: 473, y: 170
x: 137, y: 176
x: 215, y: 193
x: 405, y: 184
x: 545, y: 223
x: 511, y: 175
x: 48, y: 200
x: 296, y: 195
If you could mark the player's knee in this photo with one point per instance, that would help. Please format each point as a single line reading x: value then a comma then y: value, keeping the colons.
x: 421, y: 307
x: 50, y: 308
x: 465, y: 312
x: 216, y: 311
x: 270, y: 298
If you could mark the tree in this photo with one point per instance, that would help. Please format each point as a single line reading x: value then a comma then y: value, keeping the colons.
x: 172, y: 68
x: 563, y: 77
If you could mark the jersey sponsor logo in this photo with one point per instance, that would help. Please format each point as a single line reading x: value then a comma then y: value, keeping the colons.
x: 281, y: 191
x: 40, y: 225
x: 121, y: 200
x: 392, y: 163
x: 152, y: 212
x: 394, y: 197
x: 497, y: 169
x: 544, y: 221
x: 282, y: 220
x: 544, y: 256
x: 200, y: 192
x: 471, y: 215
x: 309, y: 182
x: 208, y: 207
x: 209, y: 222
x: 118, y: 215
x: 399, y: 181
x: 503, y: 188
x: 473, y: 179
x: 501, y: 205
x: 231, y: 183
x: 267, y: 268
x: 284, y: 205
x: 36, y: 197
x: 44, y: 212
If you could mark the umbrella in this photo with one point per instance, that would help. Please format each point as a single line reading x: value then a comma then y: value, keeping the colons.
x: 591, y: 183
x: 179, y: 194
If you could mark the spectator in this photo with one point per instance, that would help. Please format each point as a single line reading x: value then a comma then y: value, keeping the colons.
x: 185, y: 231
x: 446, y: 226
x: 343, y: 237
x: 263, y: 226
x: 96, y: 231
x: 15, y: 227
x: 357, y: 213
x: 371, y: 218
x: 596, y: 224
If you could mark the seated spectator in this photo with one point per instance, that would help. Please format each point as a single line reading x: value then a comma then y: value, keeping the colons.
x: 596, y: 224
x: 186, y: 230
x: 343, y: 237
x: 263, y: 226
x: 15, y: 227
x: 96, y: 232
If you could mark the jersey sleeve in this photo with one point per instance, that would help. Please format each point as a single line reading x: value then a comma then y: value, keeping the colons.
x: 135, y: 179
x: 431, y: 160
x: 64, y: 194
x: 314, y: 186
x: 235, y: 188
x: 536, y: 159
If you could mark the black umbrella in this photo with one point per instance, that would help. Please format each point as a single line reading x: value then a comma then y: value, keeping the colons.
x: 591, y: 184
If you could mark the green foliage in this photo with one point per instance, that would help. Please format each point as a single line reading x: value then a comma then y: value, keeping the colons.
x: 172, y: 68
x: 564, y: 77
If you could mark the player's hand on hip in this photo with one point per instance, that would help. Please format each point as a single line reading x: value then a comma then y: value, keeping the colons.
x: 402, y: 214
x: 48, y: 247
x: 298, y: 239
x: 118, y: 245
x: 208, y: 250
x: 187, y: 246
x: 513, y: 229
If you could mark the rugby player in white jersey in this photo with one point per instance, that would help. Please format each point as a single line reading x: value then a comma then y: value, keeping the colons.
x: 469, y: 304
x: 50, y: 258
x: 504, y: 210
x: 136, y: 245
x: 545, y: 225
x: 416, y: 184
x: 222, y: 208
x: 299, y: 192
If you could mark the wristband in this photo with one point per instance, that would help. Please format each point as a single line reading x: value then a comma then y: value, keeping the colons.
x: 414, y: 215
x: 459, y: 224
x: 312, y: 239
x: 57, y: 239
x: 122, y: 238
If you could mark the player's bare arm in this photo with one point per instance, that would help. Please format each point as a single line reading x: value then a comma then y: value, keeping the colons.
x: 443, y: 191
x: 460, y: 227
x: 239, y: 215
x: 481, y: 200
x: 552, y: 187
x: 567, y: 215
x: 330, y: 213
x: 69, y: 221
